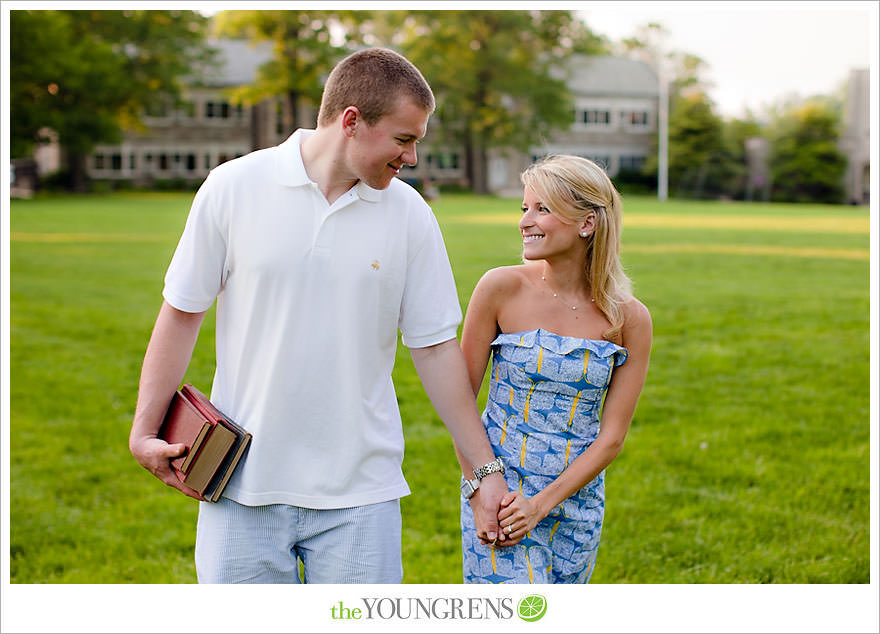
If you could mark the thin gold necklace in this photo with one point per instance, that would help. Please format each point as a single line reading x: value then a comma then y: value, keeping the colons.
x: 556, y: 295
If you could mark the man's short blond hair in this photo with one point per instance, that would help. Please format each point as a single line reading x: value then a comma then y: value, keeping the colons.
x: 373, y: 80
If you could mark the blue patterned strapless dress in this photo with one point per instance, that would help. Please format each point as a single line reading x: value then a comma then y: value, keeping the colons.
x: 545, y: 393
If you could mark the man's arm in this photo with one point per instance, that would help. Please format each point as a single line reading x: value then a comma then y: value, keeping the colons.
x: 444, y: 375
x: 168, y: 355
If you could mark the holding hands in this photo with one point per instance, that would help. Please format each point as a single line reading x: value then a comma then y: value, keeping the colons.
x: 517, y: 515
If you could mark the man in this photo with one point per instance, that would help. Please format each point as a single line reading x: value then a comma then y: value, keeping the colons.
x: 316, y: 254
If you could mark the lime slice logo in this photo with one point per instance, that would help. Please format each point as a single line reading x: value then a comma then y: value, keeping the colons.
x: 532, y: 607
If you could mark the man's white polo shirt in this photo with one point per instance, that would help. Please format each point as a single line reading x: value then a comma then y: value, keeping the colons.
x: 310, y: 297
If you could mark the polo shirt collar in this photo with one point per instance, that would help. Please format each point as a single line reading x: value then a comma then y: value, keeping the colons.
x: 290, y: 171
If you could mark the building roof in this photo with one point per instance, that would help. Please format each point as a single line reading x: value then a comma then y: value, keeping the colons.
x: 237, y: 62
x: 593, y: 75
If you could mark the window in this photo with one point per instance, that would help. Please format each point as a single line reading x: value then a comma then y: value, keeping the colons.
x: 638, y: 119
x: 216, y: 110
x: 132, y: 164
x: 632, y: 163
x: 99, y: 161
x: 443, y: 161
x: 190, y: 162
x: 602, y: 160
x: 222, y: 110
x: 596, y: 117
x: 163, y: 162
x: 116, y: 162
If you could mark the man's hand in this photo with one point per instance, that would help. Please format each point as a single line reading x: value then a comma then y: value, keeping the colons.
x: 486, y: 503
x: 155, y: 456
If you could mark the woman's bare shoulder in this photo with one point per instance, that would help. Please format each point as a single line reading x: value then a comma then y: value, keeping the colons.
x: 505, y: 279
x: 636, y: 319
x: 636, y: 310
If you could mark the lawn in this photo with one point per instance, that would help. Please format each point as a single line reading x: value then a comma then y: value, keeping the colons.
x: 747, y: 461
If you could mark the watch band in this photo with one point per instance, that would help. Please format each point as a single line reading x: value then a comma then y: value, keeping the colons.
x: 490, y: 467
x: 469, y: 487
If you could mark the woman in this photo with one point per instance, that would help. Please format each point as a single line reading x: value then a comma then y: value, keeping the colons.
x: 563, y: 330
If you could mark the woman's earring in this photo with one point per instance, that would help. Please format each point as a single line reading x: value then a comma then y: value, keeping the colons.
x: 584, y: 234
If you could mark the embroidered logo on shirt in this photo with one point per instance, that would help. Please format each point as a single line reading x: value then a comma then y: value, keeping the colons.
x: 375, y: 265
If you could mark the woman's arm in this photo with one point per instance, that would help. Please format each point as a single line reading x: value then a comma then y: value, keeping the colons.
x: 620, y: 403
x: 481, y: 323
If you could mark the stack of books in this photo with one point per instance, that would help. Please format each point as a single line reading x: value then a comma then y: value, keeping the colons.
x: 214, y: 443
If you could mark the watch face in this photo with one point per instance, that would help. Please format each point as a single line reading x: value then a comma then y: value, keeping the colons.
x: 467, y: 489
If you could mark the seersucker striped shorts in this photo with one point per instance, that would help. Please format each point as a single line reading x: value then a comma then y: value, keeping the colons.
x: 264, y: 544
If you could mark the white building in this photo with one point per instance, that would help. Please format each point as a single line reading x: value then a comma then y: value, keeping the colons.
x: 614, y: 123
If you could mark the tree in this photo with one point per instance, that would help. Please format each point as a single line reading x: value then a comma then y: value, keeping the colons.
x: 699, y: 159
x: 681, y: 89
x: 498, y: 76
x: 805, y: 162
x: 88, y: 75
x: 304, y: 51
x: 736, y: 133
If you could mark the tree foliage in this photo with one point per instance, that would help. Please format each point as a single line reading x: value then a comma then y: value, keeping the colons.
x: 805, y: 162
x: 736, y: 133
x: 498, y: 76
x: 88, y: 75
x: 699, y: 160
x: 304, y: 51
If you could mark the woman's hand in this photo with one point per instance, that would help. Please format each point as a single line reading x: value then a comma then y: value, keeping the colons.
x: 517, y: 516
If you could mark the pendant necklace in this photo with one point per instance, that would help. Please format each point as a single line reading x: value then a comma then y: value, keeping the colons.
x: 556, y: 295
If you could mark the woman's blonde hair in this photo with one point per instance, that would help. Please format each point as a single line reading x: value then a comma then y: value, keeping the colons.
x: 571, y: 187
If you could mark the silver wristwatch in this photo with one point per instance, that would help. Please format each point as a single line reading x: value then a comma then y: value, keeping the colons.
x: 469, y: 487
x: 490, y: 467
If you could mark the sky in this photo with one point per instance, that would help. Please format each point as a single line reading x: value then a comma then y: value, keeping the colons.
x: 756, y: 52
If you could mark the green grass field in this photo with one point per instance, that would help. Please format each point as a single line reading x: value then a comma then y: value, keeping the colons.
x: 747, y: 460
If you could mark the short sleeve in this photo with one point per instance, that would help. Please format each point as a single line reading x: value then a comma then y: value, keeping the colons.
x: 195, y: 276
x: 430, y: 310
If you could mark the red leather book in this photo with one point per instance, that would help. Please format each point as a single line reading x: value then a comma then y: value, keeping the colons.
x: 184, y: 423
x: 214, y: 451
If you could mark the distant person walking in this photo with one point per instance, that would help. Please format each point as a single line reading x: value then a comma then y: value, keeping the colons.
x: 563, y: 331
x: 316, y: 255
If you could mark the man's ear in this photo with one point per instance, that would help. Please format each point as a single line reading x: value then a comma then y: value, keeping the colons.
x: 350, y: 118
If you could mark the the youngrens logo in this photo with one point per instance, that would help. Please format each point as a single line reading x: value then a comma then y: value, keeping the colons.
x: 530, y: 608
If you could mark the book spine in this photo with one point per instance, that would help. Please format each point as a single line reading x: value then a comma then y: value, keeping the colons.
x: 194, y: 451
x: 215, y: 489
